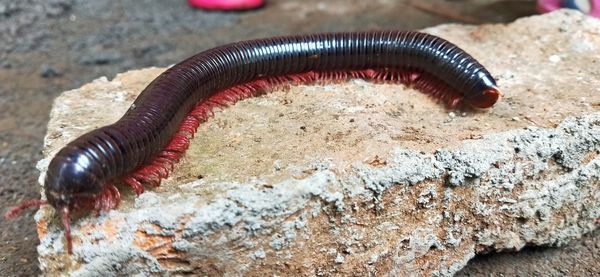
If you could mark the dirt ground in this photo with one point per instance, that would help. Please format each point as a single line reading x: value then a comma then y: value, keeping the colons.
x: 48, y: 46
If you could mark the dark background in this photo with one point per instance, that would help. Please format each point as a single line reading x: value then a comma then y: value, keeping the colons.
x: 49, y: 46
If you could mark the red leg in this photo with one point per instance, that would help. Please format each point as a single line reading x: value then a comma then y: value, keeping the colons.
x: 163, y: 165
x: 137, y: 187
x: 108, y: 199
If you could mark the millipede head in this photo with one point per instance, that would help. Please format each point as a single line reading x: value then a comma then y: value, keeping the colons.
x: 71, y: 177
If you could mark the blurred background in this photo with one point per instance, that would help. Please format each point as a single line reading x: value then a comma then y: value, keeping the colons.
x: 49, y: 46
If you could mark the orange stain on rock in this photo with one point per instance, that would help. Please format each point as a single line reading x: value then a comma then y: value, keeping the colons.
x: 156, y: 244
x: 42, y: 228
x: 108, y: 228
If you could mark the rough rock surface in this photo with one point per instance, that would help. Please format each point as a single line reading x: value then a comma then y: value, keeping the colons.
x: 358, y: 178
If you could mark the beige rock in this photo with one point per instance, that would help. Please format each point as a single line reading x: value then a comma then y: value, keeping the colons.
x: 358, y: 178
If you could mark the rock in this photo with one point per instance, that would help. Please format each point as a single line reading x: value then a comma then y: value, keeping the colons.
x: 358, y: 178
x: 98, y: 55
x: 47, y: 71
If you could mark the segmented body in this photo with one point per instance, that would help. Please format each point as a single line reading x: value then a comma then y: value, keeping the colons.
x: 143, y: 145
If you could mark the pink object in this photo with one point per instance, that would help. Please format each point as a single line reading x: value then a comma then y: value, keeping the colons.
x: 545, y: 6
x: 226, y: 5
x: 593, y: 6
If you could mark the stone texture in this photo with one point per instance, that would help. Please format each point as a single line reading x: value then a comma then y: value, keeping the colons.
x: 358, y: 178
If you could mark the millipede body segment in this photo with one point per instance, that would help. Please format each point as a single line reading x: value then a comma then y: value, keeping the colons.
x: 141, y: 148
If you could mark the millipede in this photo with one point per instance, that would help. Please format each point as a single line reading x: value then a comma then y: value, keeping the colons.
x: 143, y: 146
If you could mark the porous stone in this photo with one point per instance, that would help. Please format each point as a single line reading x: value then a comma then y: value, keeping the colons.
x: 358, y: 178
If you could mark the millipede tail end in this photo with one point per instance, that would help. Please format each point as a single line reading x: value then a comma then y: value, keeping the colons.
x: 487, y: 98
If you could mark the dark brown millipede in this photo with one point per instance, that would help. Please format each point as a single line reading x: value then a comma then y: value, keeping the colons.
x: 141, y: 148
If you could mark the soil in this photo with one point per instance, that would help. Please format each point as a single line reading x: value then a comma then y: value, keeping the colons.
x: 47, y: 47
